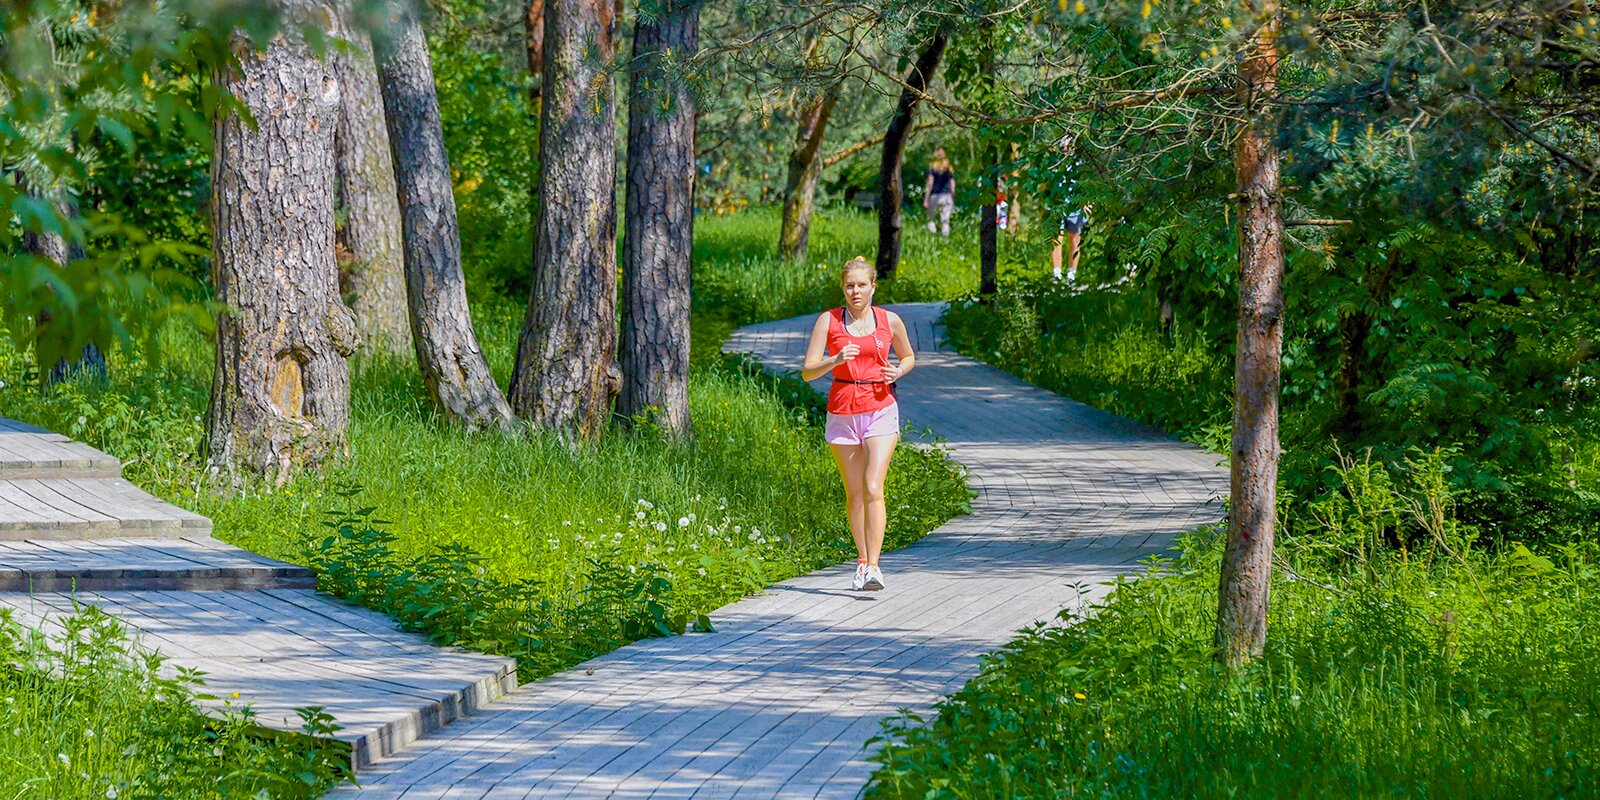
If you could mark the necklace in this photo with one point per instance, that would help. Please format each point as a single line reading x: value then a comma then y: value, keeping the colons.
x: 855, y: 321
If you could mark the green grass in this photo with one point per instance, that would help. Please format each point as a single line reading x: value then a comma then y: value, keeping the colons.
x: 86, y: 716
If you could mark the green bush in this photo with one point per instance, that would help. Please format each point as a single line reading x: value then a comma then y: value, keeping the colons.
x: 89, y: 716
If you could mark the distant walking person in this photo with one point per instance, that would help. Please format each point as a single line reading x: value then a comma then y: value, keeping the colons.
x: 1073, y: 216
x: 863, y: 424
x: 939, y: 196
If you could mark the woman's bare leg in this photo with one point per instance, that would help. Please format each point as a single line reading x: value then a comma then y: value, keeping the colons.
x: 852, y: 461
x: 880, y: 449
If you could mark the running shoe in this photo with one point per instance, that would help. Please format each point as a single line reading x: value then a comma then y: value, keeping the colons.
x: 874, y: 580
x: 860, y: 581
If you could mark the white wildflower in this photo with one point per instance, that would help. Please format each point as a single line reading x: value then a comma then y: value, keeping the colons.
x: 683, y: 522
x: 638, y: 515
x: 661, y: 526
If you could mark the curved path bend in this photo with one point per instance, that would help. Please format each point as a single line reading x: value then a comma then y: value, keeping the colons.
x: 781, y: 700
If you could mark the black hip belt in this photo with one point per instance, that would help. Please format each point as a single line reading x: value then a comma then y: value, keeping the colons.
x: 894, y: 389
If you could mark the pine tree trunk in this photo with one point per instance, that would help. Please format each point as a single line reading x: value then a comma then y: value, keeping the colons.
x: 659, y: 225
x: 370, y: 238
x: 1241, y: 632
x: 453, y: 365
x: 566, y: 372
x: 891, y: 193
x: 280, y: 396
x: 805, y: 167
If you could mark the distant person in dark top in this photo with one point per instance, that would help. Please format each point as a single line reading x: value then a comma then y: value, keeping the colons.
x: 1073, y: 216
x: 939, y: 196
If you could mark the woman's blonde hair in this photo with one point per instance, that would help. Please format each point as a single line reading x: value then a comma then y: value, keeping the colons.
x: 859, y: 262
x: 939, y: 160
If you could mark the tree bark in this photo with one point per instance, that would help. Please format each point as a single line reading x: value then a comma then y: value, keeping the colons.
x: 566, y: 371
x: 280, y: 395
x: 453, y: 365
x: 533, y: 35
x: 805, y: 167
x: 988, y: 226
x: 370, y: 238
x: 659, y: 225
x: 891, y: 194
x: 1247, y: 560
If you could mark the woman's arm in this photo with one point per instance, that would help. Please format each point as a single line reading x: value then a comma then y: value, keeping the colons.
x: 818, y: 362
x: 902, y: 348
x: 927, y: 190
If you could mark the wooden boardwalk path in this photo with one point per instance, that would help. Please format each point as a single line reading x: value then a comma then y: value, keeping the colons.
x: 72, y: 531
x: 781, y: 700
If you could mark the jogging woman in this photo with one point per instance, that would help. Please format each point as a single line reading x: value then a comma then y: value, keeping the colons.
x: 863, y: 424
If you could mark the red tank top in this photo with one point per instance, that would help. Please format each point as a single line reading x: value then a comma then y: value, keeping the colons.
x: 870, y: 392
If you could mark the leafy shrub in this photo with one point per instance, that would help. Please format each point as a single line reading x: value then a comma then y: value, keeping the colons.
x: 449, y: 595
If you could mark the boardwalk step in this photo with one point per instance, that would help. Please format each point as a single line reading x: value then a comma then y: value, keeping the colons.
x: 89, y: 508
x: 283, y: 650
x: 194, y: 564
x: 40, y: 454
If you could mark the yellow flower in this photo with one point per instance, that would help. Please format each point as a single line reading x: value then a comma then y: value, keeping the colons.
x: 1079, y: 695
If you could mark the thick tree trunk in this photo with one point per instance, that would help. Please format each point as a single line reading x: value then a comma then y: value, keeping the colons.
x: 1241, y: 632
x: 659, y: 225
x: 805, y: 167
x: 370, y: 238
x: 453, y: 366
x: 891, y: 194
x: 566, y: 371
x: 280, y: 396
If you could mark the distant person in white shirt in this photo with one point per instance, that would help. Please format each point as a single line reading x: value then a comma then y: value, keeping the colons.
x: 1073, y: 216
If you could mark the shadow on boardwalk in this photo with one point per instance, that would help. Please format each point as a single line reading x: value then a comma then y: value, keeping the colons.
x: 781, y: 701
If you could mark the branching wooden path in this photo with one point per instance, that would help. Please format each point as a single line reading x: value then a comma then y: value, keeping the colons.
x: 781, y: 700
